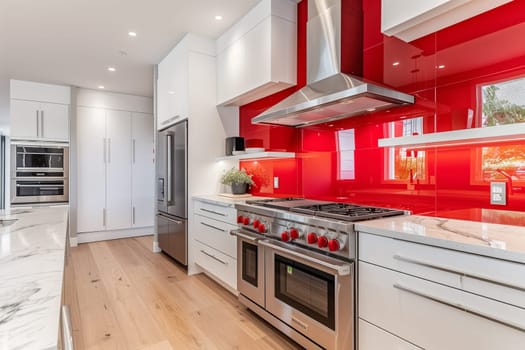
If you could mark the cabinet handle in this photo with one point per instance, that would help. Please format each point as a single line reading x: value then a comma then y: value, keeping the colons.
x: 133, y: 216
x: 109, y: 150
x: 37, y: 124
x: 213, y: 227
x: 213, y: 212
x: 214, y: 258
x: 458, y: 307
x: 104, y: 217
x: 133, y: 151
x: 41, y: 123
x: 104, y: 149
x: 458, y: 272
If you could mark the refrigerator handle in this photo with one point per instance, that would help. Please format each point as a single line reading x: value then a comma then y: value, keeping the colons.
x: 169, y: 165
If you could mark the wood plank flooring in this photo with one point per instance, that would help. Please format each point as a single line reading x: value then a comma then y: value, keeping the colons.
x: 124, y: 296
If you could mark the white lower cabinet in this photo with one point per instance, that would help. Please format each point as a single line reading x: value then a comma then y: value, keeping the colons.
x: 430, y: 310
x: 215, y: 250
x: 372, y: 337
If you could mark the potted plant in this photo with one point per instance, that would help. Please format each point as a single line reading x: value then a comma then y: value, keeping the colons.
x: 239, y: 180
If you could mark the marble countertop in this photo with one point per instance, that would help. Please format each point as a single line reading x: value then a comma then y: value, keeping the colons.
x: 494, y: 240
x: 222, y: 200
x: 32, y: 251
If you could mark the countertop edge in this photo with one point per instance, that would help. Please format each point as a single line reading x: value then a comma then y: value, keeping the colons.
x: 490, y: 252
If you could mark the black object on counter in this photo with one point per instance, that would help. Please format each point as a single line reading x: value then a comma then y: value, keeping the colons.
x: 235, y: 143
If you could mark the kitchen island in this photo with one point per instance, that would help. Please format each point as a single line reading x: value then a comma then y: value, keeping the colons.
x: 32, y: 258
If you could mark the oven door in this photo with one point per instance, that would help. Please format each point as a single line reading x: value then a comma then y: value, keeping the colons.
x: 312, y: 293
x: 35, y: 190
x: 250, y: 266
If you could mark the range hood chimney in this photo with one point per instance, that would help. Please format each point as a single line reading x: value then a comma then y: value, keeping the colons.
x: 331, y: 94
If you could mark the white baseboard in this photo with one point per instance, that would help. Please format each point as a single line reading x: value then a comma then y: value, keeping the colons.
x: 86, y: 237
x: 73, y: 241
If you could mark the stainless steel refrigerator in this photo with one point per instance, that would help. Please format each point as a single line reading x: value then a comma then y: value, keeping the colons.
x: 172, y: 196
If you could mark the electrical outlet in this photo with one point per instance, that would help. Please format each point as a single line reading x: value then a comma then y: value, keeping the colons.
x: 498, y: 193
x: 275, y: 182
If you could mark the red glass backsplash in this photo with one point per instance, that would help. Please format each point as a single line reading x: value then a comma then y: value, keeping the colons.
x: 476, y: 52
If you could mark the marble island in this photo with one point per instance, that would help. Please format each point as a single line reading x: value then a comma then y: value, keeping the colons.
x: 32, y: 251
x: 506, y: 242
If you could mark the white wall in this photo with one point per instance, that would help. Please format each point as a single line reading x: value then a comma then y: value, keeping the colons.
x: 4, y: 105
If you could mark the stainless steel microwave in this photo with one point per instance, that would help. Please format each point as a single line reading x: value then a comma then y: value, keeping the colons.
x: 39, y: 173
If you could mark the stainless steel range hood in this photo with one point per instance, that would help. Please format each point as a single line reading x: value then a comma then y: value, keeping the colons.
x: 330, y: 94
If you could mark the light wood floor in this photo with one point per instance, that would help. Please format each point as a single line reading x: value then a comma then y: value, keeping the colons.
x: 123, y: 296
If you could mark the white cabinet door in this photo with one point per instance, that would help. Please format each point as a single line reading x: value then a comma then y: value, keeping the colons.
x: 91, y: 169
x: 118, y: 173
x: 24, y: 119
x: 54, y: 121
x: 143, y: 170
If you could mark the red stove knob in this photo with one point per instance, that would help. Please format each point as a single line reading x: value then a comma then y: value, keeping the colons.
x: 334, y: 245
x: 311, y: 238
x: 256, y: 224
x: 246, y: 220
x: 240, y: 219
x: 285, y: 236
x: 261, y: 228
x: 294, y: 233
x: 322, y: 242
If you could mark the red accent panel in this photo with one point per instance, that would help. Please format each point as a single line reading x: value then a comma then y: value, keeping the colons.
x: 476, y: 52
x: 352, y: 37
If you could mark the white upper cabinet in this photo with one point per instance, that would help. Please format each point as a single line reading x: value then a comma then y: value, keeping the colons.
x: 39, y: 111
x: 409, y: 20
x: 257, y: 56
x: 172, y: 80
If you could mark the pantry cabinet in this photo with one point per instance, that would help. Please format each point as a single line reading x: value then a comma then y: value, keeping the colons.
x: 142, y: 170
x: 115, y: 169
x: 39, y: 112
x: 256, y: 57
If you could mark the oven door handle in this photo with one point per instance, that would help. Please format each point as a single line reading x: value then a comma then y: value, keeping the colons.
x: 238, y: 233
x: 342, y: 269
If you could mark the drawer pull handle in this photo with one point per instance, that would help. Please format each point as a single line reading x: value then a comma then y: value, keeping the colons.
x: 213, y: 257
x: 458, y: 272
x: 213, y: 212
x: 458, y: 306
x: 213, y: 227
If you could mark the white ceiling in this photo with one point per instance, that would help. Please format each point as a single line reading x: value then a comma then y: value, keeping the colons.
x: 72, y: 42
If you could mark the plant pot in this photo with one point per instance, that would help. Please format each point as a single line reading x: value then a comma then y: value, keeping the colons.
x: 239, y: 188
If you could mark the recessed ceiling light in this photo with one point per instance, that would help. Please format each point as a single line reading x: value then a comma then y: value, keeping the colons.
x: 395, y: 64
x: 101, y: 87
x: 218, y: 18
x: 441, y: 66
x: 171, y: 92
x: 132, y: 33
x: 112, y: 69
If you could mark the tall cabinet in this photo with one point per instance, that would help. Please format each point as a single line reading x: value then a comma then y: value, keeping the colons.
x: 115, y: 172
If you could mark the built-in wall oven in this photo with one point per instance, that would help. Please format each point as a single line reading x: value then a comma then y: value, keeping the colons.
x: 295, y: 268
x: 39, y: 173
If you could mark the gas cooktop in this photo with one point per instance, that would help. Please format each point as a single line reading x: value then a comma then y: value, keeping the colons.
x: 334, y: 210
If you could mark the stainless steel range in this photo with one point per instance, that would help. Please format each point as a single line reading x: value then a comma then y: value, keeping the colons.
x: 296, y: 266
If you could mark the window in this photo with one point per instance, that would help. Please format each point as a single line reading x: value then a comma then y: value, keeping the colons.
x: 404, y: 164
x: 346, y: 150
x: 502, y: 102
